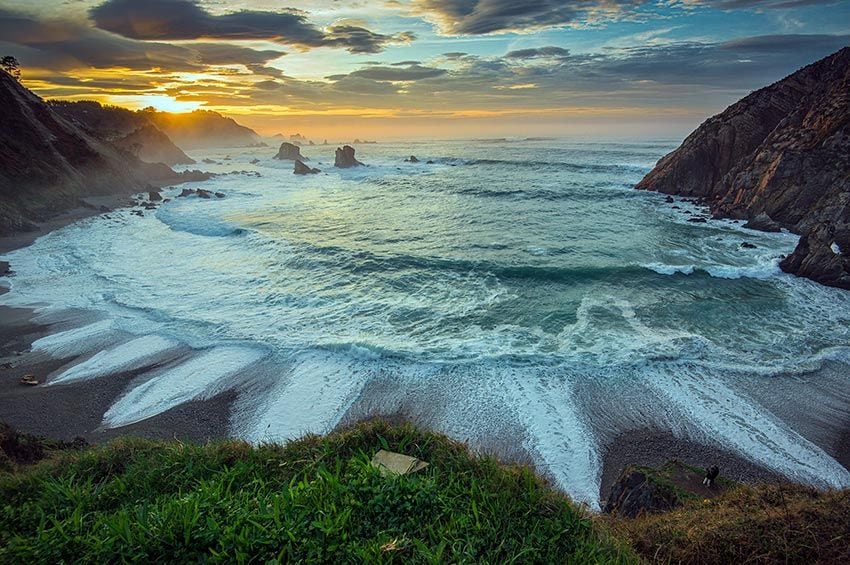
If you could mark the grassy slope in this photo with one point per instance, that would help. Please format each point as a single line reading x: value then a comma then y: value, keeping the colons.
x: 316, y: 499
x: 319, y: 500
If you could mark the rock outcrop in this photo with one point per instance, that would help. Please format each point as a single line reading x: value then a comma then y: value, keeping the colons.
x: 131, y: 131
x: 345, y: 158
x: 302, y: 169
x: 636, y: 493
x: 289, y: 152
x: 780, y: 154
x: 48, y: 163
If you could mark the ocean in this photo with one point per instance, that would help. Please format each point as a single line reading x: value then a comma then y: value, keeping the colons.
x: 515, y: 294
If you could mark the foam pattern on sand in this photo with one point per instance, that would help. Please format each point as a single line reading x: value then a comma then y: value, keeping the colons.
x: 134, y: 354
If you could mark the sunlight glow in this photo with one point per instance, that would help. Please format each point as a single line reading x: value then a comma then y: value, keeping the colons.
x: 161, y: 102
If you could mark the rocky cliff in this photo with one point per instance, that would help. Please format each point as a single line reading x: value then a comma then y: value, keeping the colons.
x: 48, y: 163
x: 131, y: 131
x: 203, y: 129
x: 782, y: 152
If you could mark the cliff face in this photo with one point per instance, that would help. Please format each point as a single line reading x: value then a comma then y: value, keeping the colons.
x: 130, y: 131
x: 783, y: 151
x: 202, y: 129
x: 47, y: 163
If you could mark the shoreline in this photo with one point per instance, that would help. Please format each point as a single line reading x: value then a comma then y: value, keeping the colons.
x: 64, y: 412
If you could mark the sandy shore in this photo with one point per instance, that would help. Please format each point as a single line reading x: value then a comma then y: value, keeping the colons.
x: 68, y: 411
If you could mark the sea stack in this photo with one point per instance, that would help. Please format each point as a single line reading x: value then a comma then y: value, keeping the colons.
x: 302, y: 169
x: 345, y: 158
x: 289, y: 152
x: 779, y: 158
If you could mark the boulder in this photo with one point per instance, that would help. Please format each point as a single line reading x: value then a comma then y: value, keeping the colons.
x: 154, y: 196
x: 345, y: 158
x: 302, y: 169
x: 747, y: 245
x: 203, y: 193
x: 4, y: 268
x: 763, y: 222
x: 822, y: 255
x: 289, y: 152
x: 219, y: 195
x: 635, y: 493
x: 186, y: 192
x: 411, y: 159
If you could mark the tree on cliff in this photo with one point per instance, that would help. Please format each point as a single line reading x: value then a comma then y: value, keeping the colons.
x: 11, y: 66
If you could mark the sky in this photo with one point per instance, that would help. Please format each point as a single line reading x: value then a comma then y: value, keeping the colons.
x: 390, y: 69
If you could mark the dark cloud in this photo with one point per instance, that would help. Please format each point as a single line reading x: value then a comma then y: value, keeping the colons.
x: 538, y: 53
x: 475, y: 17
x: 410, y: 72
x: 185, y: 19
x: 758, y: 4
x: 63, y: 45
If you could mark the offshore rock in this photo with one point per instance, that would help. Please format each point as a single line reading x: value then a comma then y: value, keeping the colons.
x: 302, y: 169
x: 289, y: 152
x: 345, y: 158
x: 782, y: 151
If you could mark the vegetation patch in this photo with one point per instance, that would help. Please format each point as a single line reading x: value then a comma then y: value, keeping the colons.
x: 316, y: 499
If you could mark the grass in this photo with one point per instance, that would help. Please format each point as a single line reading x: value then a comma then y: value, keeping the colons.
x: 768, y: 523
x: 319, y: 500
x: 313, y: 500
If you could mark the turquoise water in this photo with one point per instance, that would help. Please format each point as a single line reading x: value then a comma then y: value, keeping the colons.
x: 511, y: 289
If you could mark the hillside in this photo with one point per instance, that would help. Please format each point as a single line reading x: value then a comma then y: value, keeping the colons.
x: 318, y: 499
x: 783, y: 151
x: 48, y: 163
x: 130, y: 131
x: 202, y: 129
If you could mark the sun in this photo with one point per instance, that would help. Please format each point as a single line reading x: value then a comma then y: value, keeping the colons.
x: 161, y: 102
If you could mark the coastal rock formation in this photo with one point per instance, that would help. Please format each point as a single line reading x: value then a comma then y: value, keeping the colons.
x: 411, y: 159
x: 130, y: 131
x: 47, y: 163
x: 778, y: 157
x: 203, y: 129
x: 302, y: 169
x: 345, y: 157
x: 636, y: 493
x: 289, y: 152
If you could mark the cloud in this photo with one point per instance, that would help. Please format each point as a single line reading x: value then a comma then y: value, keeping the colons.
x: 186, y: 19
x: 64, y: 45
x: 394, y: 73
x: 476, y: 17
x: 538, y: 53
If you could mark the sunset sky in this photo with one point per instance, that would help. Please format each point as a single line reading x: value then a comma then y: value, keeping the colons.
x: 422, y: 68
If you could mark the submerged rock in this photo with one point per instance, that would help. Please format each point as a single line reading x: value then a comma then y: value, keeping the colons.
x: 411, y: 159
x: 302, y: 169
x: 289, y: 152
x: 345, y: 158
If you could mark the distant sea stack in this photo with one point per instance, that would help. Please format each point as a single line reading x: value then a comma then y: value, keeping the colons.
x: 289, y: 152
x: 345, y: 158
x: 779, y: 156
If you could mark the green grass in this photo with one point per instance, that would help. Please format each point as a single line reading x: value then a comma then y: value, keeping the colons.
x: 313, y: 500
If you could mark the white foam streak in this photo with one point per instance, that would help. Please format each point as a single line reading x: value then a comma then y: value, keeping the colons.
x: 76, y: 341
x: 557, y: 433
x: 727, y: 419
x: 311, y: 399
x: 134, y: 354
x: 197, y: 378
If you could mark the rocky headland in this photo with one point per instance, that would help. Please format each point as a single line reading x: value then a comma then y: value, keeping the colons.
x: 779, y: 157
x: 48, y: 163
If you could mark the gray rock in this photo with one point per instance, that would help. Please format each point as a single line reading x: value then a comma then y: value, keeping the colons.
x: 345, y: 158
x: 289, y: 152
x: 302, y: 169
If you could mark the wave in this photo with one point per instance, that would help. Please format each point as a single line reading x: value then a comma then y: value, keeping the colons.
x: 615, y: 168
x: 761, y: 270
